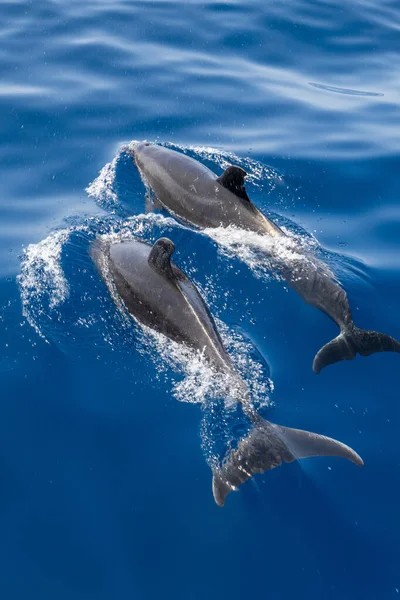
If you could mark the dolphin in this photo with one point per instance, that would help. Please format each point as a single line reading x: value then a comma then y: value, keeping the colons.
x: 158, y: 294
x: 193, y: 193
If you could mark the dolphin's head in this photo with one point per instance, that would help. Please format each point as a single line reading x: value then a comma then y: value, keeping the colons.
x: 145, y: 154
x: 138, y: 147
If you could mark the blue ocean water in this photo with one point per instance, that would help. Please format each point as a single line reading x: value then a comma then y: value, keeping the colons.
x: 104, y: 443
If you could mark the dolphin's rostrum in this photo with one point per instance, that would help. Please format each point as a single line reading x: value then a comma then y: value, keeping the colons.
x: 158, y: 294
x: 192, y: 192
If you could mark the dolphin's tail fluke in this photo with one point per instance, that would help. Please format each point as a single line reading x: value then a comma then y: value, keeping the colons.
x: 266, y: 446
x: 352, y: 341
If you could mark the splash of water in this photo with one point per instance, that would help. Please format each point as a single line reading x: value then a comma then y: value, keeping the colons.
x: 42, y: 281
x: 102, y: 189
x: 195, y: 381
x: 266, y: 256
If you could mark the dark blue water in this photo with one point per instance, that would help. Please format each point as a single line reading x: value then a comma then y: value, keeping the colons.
x: 104, y: 444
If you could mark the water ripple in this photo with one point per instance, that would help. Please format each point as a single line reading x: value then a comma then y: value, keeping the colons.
x: 338, y: 90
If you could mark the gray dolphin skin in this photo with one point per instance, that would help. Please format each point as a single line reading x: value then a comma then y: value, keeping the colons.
x: 195, y: 194
x: 158, y: 294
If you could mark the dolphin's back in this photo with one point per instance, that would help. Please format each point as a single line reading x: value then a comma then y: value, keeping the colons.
x: 194, y: 193
x: 167, y: 302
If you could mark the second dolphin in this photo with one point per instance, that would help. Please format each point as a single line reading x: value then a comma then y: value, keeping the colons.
x: 158, y: 294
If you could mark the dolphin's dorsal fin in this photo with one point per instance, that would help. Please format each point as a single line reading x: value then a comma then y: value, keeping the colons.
x: 160, y: 257
x: 233, y: 180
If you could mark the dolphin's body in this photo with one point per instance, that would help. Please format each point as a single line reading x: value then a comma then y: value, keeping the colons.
x: 195, y: 194
x: 158, y: 294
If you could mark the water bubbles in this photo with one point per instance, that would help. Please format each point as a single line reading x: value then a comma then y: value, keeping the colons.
x: 268, y: 256
x: 102, y: 189
x: 42, y: 281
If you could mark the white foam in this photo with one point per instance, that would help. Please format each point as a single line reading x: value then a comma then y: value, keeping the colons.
x: 198, y: 382
x: 266, y: 255
x: 251, y: 370
x: 42, y: 280
x: 102, y: 188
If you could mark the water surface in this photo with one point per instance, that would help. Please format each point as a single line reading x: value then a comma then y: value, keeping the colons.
x: 104, y: 444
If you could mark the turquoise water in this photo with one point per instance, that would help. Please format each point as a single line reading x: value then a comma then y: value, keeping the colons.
x: 104, y: 439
